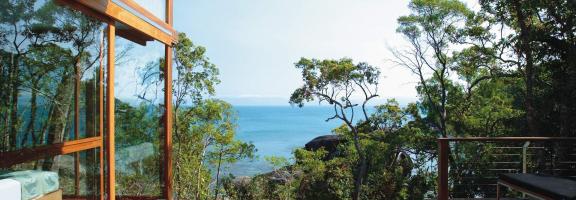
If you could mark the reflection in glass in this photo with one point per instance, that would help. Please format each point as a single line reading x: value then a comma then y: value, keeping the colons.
x: 156, y: 7
x: 49, y: 63
x: 138, y: 115
x: 61, y: 175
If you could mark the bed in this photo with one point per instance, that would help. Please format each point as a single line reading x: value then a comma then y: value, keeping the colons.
x: 539, y: 186
x: 29, y: 185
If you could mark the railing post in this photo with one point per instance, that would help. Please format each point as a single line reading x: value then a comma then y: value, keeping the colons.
x: 442, y: 169
x: 524, y: 160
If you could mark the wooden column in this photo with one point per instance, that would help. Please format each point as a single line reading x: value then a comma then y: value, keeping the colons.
x: 110, y: 115
x: 168, y: 110
x: 77, y: 125
x: 442, y: 169
x: 101, y: 112
x: 168, y: 124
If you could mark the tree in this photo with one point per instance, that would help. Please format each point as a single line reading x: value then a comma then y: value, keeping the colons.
x: 542, y: 38
x: 432, y: 27
x: 29, y: 32
x: 195, y: 78
x: 335, y: 82
x: 204, y: 129
x: 16, y: 15
x: 464, y: 75
x: 228, y: 151
x: 220, y: 121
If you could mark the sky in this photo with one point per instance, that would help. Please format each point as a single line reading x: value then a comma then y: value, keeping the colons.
x: 255, y: 43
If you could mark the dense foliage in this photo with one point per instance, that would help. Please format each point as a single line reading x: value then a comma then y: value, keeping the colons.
x: 204, y: 129
x: 51, y: 64
x: 503, y: 70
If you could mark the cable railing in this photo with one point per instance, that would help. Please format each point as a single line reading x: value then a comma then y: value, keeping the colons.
x: 468, y: 167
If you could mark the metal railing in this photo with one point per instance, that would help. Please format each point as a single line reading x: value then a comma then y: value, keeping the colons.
x: 486, y: 157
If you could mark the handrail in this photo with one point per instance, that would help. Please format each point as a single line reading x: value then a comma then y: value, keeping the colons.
x: 29, y: 154
x: 443, y: 148
x: 520, y: 139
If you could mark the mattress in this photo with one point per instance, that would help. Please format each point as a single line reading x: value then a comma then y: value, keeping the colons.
x: 10, y: 189
x: 34, y: 183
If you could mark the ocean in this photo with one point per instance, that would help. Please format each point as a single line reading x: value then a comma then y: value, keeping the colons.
x: 277, y: 131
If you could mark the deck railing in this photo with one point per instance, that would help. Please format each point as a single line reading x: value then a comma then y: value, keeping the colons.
x: 473, y: 163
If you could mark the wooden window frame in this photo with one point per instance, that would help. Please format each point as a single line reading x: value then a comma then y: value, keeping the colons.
x: 116, y: 13
x: 110, y: 13
x: 31, y: 154
x: 149, y: 16
x: 110, y: 118
x: 167, y: 192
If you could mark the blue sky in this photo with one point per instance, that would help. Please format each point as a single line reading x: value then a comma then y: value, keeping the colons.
x: 255, y: 43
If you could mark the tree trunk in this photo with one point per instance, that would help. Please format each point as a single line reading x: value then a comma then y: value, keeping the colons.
x: 14, y: 75
x: 91, y: 159
x: 199, y: 169
x: 59, y: 116
x: 529, y: 68
x: 362, y: 165
x: 4, y: 94
x: 218, y: 176
x: 32, y: 123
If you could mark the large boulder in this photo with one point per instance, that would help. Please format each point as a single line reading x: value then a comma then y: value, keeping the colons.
x: 328, y: 142
x: 241, y: 181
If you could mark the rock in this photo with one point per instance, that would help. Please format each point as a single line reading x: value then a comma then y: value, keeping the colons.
x: 281, y: 176
x: 328, y: 142
x: 242, y: 181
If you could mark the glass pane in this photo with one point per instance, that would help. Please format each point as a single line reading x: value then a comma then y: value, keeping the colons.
x: 139, y: 93
x: 156, y: 7
x: 49, y: 63
x: 46, y: 176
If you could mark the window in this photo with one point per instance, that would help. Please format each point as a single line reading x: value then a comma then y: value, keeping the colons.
x: 139, y: 93
x: 49, y: 70
x: 53, y: 82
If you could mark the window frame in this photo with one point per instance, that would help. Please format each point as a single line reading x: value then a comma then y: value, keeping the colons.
x: 110, y: 13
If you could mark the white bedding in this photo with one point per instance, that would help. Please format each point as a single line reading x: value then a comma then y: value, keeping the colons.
x: 33, y: 183
x: 10, y: 189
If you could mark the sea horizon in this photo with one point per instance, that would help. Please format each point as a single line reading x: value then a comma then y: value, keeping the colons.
x: 277, y: 131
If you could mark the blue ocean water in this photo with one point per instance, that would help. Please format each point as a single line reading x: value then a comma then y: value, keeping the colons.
x: 277, y: 131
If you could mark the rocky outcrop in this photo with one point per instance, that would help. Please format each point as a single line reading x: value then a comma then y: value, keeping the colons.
x: 328, y: 142
x: 241, y: 181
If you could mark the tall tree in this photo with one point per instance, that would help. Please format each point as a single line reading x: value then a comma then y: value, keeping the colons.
x: 14, y: 21
x: 430, y: 30
x: 338, y: 82
x: 542, y: 35
x: 204, y: 128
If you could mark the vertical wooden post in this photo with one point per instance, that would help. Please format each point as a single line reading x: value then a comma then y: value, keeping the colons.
x: 110, y: 114
x: 442, y: 169
x: 169, y: 13
x: 168, y: 124
x: 168, y: 110
x: 77, y: 125
x: 497, y: 191
x: 101, y: 113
